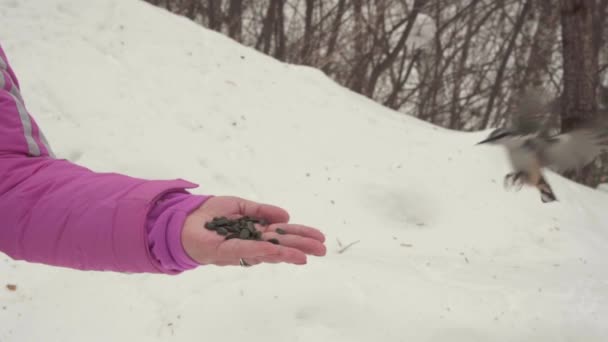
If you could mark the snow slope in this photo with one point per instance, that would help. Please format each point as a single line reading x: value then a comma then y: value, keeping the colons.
x: 444, y: 252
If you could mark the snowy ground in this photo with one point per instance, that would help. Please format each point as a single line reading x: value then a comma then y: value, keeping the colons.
x: 444, y: 252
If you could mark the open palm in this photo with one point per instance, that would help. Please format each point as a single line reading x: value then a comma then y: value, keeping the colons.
x: 207, y: 247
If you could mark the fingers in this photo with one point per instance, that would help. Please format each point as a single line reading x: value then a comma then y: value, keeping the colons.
x: 259, y: 251
x: 304, y: 244
x: 300, y: 230
x: 286, y: 255
x: 271, y: 213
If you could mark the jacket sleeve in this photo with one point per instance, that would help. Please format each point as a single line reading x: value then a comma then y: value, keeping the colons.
x: 58, y: 213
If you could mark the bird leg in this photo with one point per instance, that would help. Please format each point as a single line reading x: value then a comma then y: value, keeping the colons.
x: 520, y: 179
x: 546, y: 193
x: 507, y: 181
x: 515, y: 179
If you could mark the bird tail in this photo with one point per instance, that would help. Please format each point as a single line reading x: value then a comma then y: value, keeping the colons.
x: 546, y: 193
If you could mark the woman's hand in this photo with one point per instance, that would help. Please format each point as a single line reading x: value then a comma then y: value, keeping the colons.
x: 207, y: 247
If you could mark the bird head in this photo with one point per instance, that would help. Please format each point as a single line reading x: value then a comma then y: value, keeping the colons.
x: 499, y: 136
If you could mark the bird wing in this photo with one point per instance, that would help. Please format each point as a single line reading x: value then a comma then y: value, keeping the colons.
x: 533, y: 111
x: 575, y: 149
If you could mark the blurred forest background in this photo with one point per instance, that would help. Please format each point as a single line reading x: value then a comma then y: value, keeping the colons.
x: 460, y: 64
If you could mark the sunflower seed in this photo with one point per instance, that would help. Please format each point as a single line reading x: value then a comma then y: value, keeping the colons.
x: 232, y: 236
x: 222, y: 221
x: 245, y: 234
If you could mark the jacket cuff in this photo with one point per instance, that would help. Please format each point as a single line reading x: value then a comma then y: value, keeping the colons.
x: 130, y: 240
x: 164, y: 227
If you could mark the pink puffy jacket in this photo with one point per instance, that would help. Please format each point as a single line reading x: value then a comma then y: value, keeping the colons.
x: 58, y: 213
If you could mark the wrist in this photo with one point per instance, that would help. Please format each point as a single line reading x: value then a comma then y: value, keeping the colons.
x: 165, y: 226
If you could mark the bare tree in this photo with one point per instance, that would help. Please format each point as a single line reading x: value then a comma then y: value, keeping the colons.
x: 461, y: 68
x: 467, y: 75
x: 580, y: 62
x: 308, y: 32
x: 359, y: 70
x: 390, y: 55
x: 193, y: 8
x: 537, y: 69
x: 279, y: 30
x: 580, y: 67
x: 235, y: 20
x: 214, y: 13
x: 335, y: 32
x: 504, y: 60
x: 542, y: 44
x: 273, y: 26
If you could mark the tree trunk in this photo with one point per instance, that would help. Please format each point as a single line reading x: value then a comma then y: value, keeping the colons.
x: 427, y: 66
x: 459, y: 77
x: 333, y: 38
x: 599, y: 23
x: 505, y: 58
x: 541, y: 51
x: 359, y: 71
x: 580, y: 62
x: 307, y: 46
x: 235, y: 20
x: 265, y: 37
x: 279, y: 27
x: 542, y: 44
x: 214, y: 15
x: 193, y: 7
x: 580, y: 55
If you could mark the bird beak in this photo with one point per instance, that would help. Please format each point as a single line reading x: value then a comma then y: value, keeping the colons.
x: 487, y: 140
x: 483, y: 141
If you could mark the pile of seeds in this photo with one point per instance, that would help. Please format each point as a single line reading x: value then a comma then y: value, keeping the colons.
x: 242, y: 228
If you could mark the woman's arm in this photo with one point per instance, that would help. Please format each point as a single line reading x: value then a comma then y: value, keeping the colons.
x: 58, y: 213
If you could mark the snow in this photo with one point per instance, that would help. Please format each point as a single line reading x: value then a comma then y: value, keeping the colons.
x: 444, y: 253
